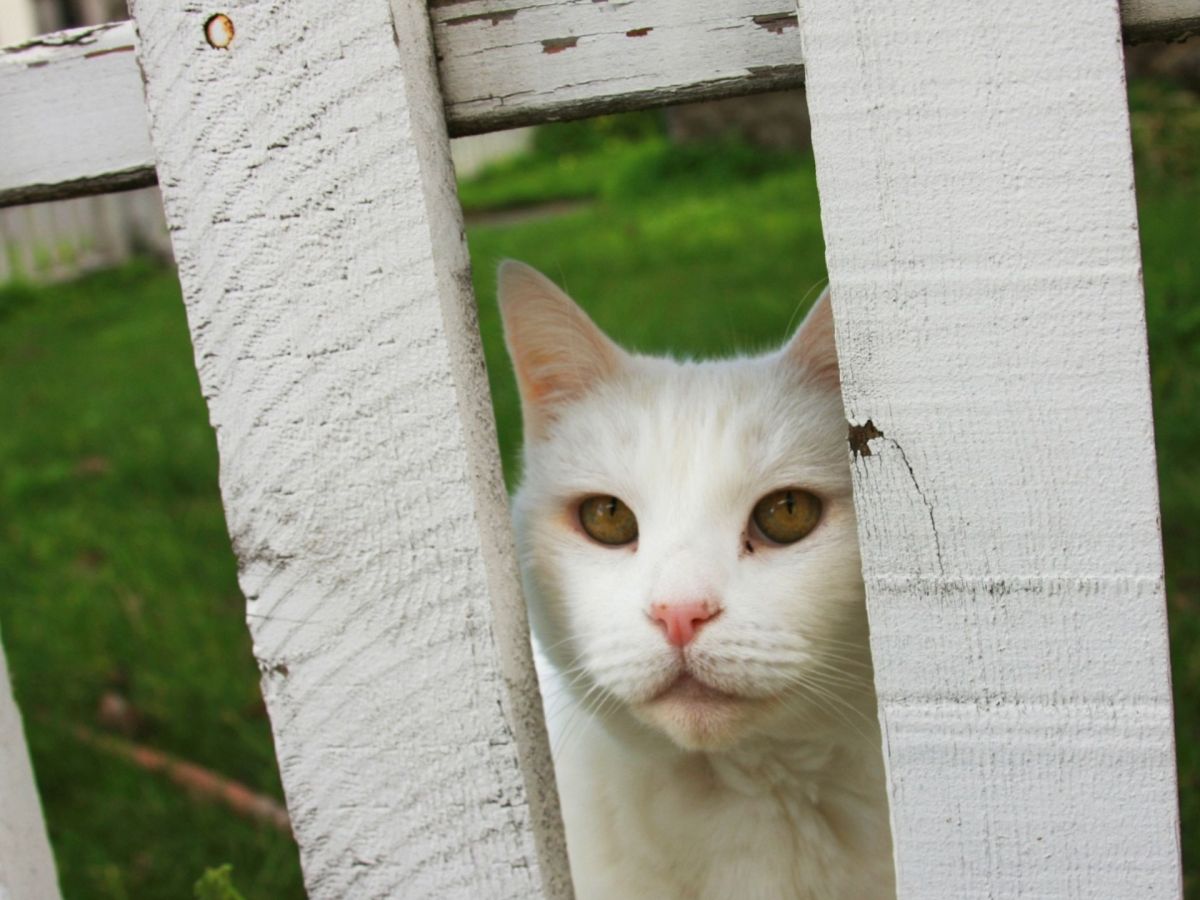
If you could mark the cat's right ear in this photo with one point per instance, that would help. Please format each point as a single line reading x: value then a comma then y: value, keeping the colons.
x: 557, y: 351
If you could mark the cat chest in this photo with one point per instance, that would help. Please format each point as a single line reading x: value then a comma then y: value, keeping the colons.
x: 687, y: 841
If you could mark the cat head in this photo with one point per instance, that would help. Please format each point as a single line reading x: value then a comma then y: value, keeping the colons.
x: 686, y: 530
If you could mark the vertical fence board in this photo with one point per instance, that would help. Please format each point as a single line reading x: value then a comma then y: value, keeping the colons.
x: 305, y: 172
x: 26, y: 865
x: 977, y: 196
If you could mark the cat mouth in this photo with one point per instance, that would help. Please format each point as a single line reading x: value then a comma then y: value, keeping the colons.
x: 687, y: 688
x: 696, y: 715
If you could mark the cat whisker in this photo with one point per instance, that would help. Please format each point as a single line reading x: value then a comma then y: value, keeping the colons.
x: 583, y: 711
x: 831, y: 703
x: 804, y: 298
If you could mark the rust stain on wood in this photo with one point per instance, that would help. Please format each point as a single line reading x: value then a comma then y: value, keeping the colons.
x: 638, y: 32
x: 558, y: 45
x: 776, y: 23
x: 495, y: 18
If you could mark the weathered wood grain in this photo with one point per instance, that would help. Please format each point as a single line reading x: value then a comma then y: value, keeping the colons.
x: 71, y: 118
x: 977, y: 198
x: 306, y: 178
x: 526, y: 61
x: 26, y: 865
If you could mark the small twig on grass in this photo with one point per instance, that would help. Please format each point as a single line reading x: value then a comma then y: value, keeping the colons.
x: 196, y: 779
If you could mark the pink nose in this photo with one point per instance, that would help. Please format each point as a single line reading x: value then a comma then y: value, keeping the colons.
x: 681, y: 621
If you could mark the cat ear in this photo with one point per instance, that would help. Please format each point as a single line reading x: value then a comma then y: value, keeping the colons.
x: 557, y: 351
x: 812, y: 346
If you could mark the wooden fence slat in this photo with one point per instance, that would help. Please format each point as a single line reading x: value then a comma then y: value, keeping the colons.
x: 306, y: 179
x: 977, y: 196
x: 26, y: 865
x: 72, y: 123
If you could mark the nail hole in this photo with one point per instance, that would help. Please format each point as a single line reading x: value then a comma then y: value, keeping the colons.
x: 219, y: 31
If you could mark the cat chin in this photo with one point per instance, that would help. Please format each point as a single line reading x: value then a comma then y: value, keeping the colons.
x: 699, y: 718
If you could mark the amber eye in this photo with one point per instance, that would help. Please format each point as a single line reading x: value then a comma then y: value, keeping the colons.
x: 786, y: 516
x: 608, y: 520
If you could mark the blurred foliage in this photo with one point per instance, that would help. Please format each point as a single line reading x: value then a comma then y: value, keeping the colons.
x: 600, y: 134
x: 567, y: 160
x: 217, y: 884
x: 1165, y: 121
x: 622, y: 164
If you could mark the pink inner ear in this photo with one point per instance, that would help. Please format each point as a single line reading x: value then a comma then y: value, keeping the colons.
x: 535, y: 374
x: 813, y: 346
x: 557, y: 351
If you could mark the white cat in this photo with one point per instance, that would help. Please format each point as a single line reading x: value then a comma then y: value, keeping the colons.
x: 688, y: 545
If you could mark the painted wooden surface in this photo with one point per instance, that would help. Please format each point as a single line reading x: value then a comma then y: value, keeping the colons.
x: 520, y: 62
x: 306, y: 178
x: 72, y: 122
x: 977, y: 198
x: 72, y: 116
x: 26, y: 866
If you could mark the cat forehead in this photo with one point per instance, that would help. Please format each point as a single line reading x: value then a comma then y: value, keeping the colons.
x: 674, y: 424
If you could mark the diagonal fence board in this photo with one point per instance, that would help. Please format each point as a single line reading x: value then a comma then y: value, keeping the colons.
x: 26, y: 864
x: 306, y: 179
x: 72, y: 119
x: 977, y: 198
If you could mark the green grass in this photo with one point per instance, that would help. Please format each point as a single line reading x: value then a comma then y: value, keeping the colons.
x: 115, y: 568
x: 116, y: 574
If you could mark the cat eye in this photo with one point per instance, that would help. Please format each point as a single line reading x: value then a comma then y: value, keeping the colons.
x: 608, y: 520
x: 786, y: 516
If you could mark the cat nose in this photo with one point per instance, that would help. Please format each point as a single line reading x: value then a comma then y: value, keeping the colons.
x: 681, y: 621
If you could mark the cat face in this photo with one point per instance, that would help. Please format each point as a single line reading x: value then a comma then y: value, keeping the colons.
x: 654, y: 587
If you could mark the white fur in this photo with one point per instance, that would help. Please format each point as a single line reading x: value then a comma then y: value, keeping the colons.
x: 778, y: 795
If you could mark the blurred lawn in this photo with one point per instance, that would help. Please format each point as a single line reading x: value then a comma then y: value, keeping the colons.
x: 115, y: 568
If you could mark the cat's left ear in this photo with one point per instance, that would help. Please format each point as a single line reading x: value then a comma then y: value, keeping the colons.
x: 812, y: 347
x: 557, y: 351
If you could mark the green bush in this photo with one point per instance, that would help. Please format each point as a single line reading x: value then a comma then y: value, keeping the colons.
x: 658, y: 166
x: 217, y: 884
x: 597, y: 134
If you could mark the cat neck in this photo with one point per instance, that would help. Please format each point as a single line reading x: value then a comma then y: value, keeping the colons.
x: 798, y: 757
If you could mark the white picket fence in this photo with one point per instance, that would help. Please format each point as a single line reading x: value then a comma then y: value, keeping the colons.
x: 977, y: 197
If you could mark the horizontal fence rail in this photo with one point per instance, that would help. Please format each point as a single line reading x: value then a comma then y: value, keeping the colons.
x: 72, y: 117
